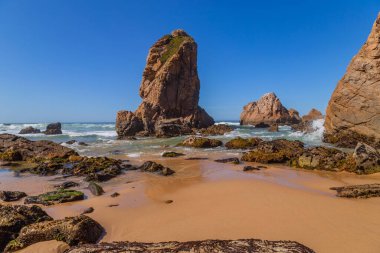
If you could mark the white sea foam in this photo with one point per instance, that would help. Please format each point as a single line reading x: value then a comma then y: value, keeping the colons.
x: 134, y: 155
x: 228, y: 123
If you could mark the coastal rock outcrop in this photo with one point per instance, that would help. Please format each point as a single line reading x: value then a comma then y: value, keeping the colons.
x: 353, y: 112
x: 29, y: 130
x: 362, y: 191
x: 170, y: 92
x: 154, y: 167
x: 241, y: 246
x: 219, y: 129
x: 53, y: 128
x: 55, y: 197
x: 200, y: 142
x: 268, y: 110
x: 313, y: 114
x: 16, y: 148
x: 14, y: 217
x: 71, y: 230
x: 367, y: 159
x: 241, y: 143
x: 8, y: 196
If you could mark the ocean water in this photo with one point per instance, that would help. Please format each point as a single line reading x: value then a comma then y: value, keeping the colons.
x: 102, y: 138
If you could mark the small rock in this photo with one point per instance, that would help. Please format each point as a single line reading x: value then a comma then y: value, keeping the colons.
x: 113, y: 205
x: 81, y: 143
x: 71, y: 142
x: 154, y: 167
x: 273, y: 128
x: 115, y: 194
x: 95, y: 189
x: 232, y: 160
x: 200, y: 142
x: 66, y: 185
x: 196, y: 158
x: 249, y: 168
x: 219, y: 129
x: 88, y: 210
x: 168, y: 201
x: 8, y: 196
x: 172, y: 154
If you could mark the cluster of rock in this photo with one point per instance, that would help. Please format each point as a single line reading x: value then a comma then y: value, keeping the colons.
x: 307, y: 120
x: 241, y: 246
x: 51, y: 129
x: 170, y: 92
x: 363, y: 191
x: 352, y: 114
x: 268, y: 110
x: 21, y: 226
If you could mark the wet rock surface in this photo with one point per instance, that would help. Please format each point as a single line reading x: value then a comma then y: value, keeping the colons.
x: 241, y: 143
x: 14, y: 217
x: 276, y: 151
x: 358, y: 191
x: 30, y: 130
x: 16, y: 148
x: 55, y: 197
x: 157, y: 168
x: 222, y: 246
x: 200, y: 142
x: 71, y: 230
x: 66, y: 185
x: 367, y: 159
x: 172, y: 154
x: 95, y: 189
x: 233, y: 160
x: 53, y: 128
x: 170, y: 91
x: 251, y: 168
x: 8, y: 196
x: 219, y: 129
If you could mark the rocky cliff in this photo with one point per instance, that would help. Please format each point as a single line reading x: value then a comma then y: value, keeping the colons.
x: 268, y: 110
x: 353, y: 113
x: 170, y: 91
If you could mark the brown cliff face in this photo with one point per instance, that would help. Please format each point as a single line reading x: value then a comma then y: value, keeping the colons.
x: 269, y: 110
x: 170, y: 91
x: 353, y: 113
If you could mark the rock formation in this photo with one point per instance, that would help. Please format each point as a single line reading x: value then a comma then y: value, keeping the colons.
x: 30, y: 130
x: 170, y: 92
x: 268, y: 110
x: 241, y: 246
x: 353, y: 113
x: 314, y: 114
x: 53, y: 128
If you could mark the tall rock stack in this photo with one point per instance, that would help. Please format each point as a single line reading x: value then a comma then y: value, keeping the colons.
x: 170, y: 92
x: 268, y: 110
x: 353, y: 113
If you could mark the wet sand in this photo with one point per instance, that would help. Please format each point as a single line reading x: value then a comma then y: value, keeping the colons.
x: 220, y: 201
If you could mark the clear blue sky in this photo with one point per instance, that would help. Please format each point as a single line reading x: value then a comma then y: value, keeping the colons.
x: 78, y: 60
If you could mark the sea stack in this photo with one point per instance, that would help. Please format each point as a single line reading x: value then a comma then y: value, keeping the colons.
x: 170, y: 92
x: 353, y: 113
x: 268, y: 110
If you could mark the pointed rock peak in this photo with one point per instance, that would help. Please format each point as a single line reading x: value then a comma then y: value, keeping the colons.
x: 179, y: 32
x: 269, y: 95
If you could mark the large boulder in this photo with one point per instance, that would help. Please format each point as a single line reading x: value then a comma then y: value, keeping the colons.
x: 170, y: 91
x: 353, y: 112
x: 367, y: 159
x: 71, y: 230
x: 276, y: 151
x: 219, y: 129
x: 200, y: 142
x: 30, y: 130
x: 268, y: 110
x: 241, y: 246
x: 9, y: 196
x: 16, y: 148
x: 15, y: 217
x: 53, y: 128
x: 241, y: 143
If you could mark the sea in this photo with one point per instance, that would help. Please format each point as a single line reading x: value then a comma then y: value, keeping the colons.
x: 102, y: 140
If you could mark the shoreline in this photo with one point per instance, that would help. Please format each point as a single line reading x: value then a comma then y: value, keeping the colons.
x: 219, y: 201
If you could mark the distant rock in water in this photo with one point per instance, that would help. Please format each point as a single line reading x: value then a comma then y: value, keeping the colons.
x: 314, y: 114
x: 170, y: 92
x: 306, y: 125
x: 241, y: 246
x: 268, y: 110
x: 30, y: 130
x: 353, y: 113
x: 54, y: 128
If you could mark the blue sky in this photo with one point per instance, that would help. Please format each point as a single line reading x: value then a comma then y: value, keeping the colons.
x: 78, y: 60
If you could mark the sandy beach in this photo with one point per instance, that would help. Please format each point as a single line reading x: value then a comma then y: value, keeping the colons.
x: 220, y: 201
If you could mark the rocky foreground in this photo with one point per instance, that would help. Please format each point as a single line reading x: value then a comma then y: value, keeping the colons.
x: 230, y: 246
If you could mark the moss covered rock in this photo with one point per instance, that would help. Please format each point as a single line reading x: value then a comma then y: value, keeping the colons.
x: 200, y: 142
x: 241, y: 143
x: 154, y: 167
x: 172, y: 154
x: 55, y: 197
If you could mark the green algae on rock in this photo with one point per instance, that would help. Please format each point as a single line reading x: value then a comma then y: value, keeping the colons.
x: 241, y: 143
x: 200, y: 142
x: 55, y: 197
